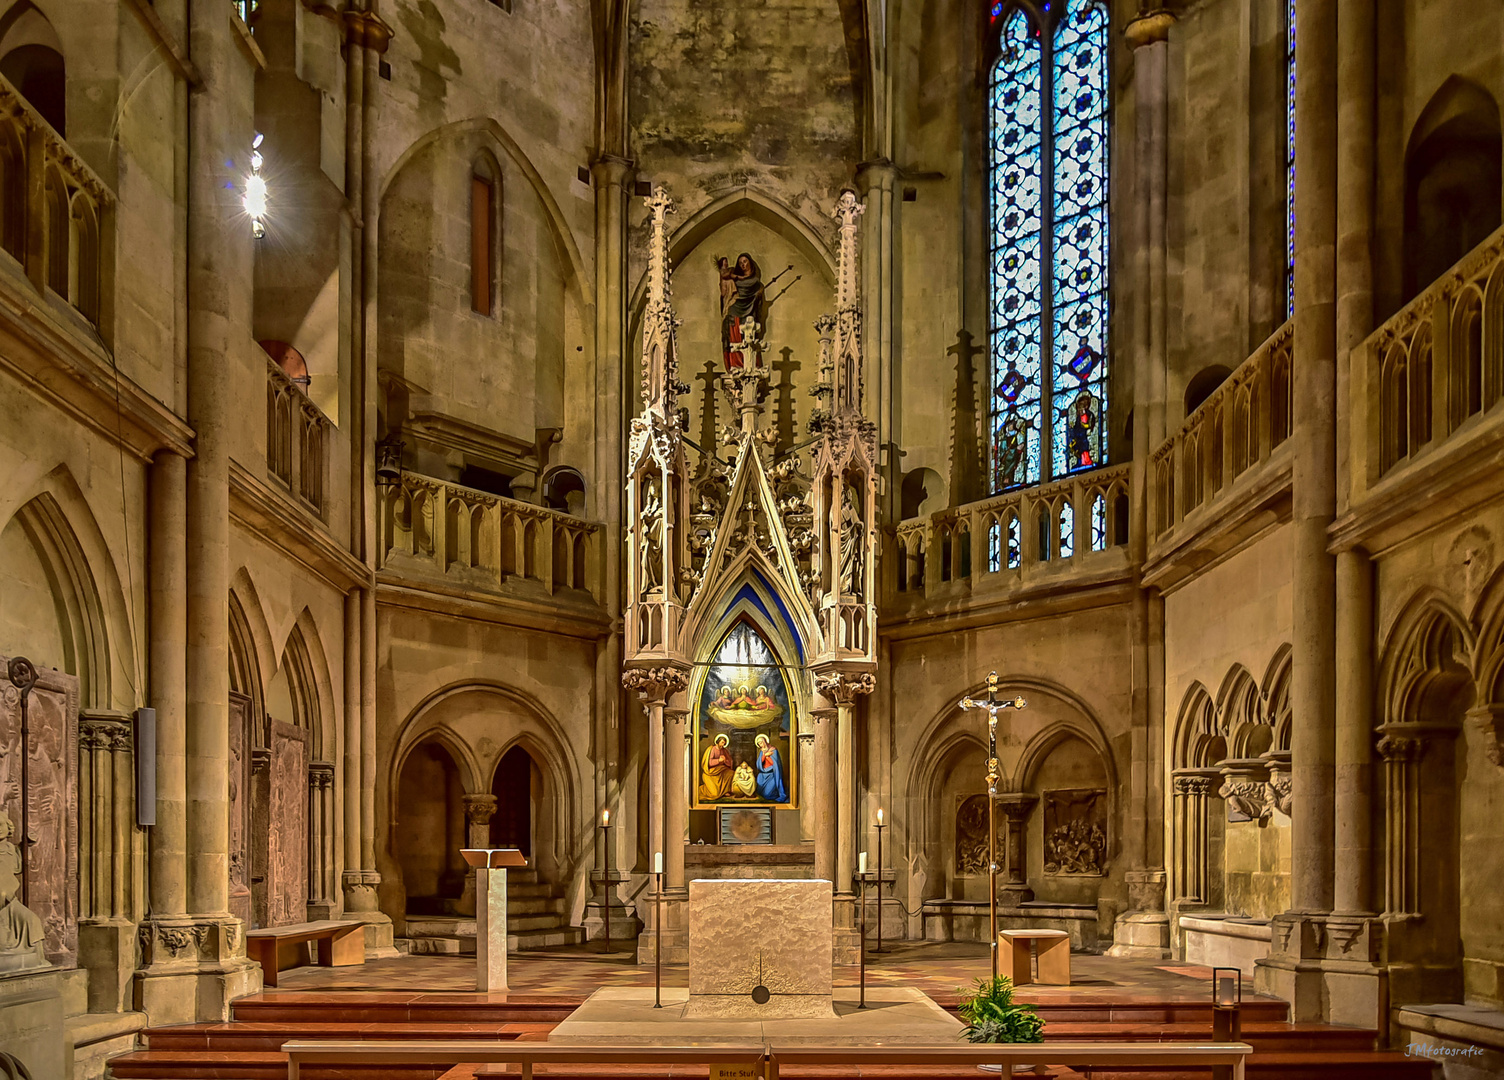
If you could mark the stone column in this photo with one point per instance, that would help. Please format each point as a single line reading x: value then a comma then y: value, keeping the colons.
x: 1312, y: 685
x: 1143, y: 929
x: 350, y: 781
x: 479, y: 809
x: 167, y: 580
x: 1014, y: 806
x: 844, y: 687
x: 676, y: 790
x: 320, y: 840
x: 876, y: 181
x: 1192, y: 878
x: 221, y: 371
x: 824, y: 794
x: 1356, y: 86
x: 806, y: 751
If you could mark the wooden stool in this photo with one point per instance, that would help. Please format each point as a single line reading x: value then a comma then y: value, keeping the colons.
x: 1054, y: 948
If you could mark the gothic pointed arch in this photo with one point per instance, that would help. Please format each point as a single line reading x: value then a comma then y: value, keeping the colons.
x: 54, y: 521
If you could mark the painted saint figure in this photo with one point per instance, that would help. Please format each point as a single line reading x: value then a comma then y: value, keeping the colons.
x: 741, y: 305
x: 770, y: 785
x: 715, y: 770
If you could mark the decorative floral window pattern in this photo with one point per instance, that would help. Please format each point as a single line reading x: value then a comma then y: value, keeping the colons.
x: 1048, y: 243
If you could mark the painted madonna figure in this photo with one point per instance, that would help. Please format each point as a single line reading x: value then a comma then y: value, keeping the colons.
x: 770, y: 785
x: 22, y: 935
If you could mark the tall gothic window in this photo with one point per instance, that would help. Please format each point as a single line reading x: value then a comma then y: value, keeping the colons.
x: 1289, y: 158
x: 1048, y: 240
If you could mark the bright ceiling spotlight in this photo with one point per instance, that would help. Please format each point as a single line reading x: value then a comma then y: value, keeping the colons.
x: 254, y: 200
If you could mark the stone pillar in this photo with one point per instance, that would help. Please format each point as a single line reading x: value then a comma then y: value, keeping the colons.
x: 488, y: 890
x: 876, y: 181
x: 845, y: 796
x: 479, y: 810
x: 844, y: 687
x: 676, y: 790
x: 355, y: 898
x: 806, y: 751
x: 1192, y: 878
x: 1143, y: 929
x: 221, y: 370
x: 1356, y: 85
x: 165, y: 983
x: 1312, y: 686
x: 824, y: 794
x: 321, y: 903
x: 1015, y: 806
x: 668, y: 814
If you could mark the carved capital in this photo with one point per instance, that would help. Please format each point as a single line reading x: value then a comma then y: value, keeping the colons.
x: 1148, y: 28
x: 844, y: 687
x: 479, y: 809
x: 1403, y: 749
x: 654, y: 684
x: 104, y: 734
x: 1192, y: 785
x: 367, y: 30
x: 320, y: 775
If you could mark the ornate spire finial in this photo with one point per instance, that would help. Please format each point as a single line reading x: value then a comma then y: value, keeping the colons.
x: 848, y: 209
x: 660, y: 206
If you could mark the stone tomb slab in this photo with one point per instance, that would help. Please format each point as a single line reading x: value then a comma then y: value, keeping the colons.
x: 746, y: 934
x: 624, y: 1015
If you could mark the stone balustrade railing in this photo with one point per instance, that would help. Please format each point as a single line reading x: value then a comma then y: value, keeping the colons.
x: 1436, y: 364
x: 56, y: 215
x: 1234, y: 430
x: 476, y: 538
x: 1016, y: 533
x: 297, y: 440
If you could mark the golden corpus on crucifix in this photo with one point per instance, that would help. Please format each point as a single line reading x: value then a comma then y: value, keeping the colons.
x: 994, y: 705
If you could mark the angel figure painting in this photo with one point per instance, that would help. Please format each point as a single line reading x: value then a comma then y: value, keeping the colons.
x: 744, y: 722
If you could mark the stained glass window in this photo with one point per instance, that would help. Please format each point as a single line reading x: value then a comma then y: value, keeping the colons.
x: 1098, y: 523
x: 1049, y: 241
x: 1015, y: 554
x: 994, y: 547
x: 1067, y: 531
x: 1289, y: 158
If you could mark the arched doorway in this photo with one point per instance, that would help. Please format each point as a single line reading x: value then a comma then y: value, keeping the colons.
x: 429, y: 826
x: 513, y: 785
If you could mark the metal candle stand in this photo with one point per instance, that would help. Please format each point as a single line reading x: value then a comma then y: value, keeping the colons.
x: 1227, y: 1012
x: 994, y: 771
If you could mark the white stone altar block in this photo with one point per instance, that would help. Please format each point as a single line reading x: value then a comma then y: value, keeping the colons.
x: 748, y: 933
x: 490, y: 928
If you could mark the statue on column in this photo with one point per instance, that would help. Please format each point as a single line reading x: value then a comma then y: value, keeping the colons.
x: 21, y: 929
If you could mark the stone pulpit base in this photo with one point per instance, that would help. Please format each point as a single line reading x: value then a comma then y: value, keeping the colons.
x: 760, y: 949
x: 491, y: 913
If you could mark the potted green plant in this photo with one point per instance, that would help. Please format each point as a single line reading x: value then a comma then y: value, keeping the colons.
x: 992, y: 1016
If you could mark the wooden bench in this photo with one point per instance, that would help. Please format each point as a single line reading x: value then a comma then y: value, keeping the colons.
x: 766, y: 1059
x: 1054, y: 947
x: 340, y: 944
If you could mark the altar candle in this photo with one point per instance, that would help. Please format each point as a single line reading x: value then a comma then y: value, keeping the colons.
x: 861, y: 863
x: 879, y: 815
x: 605, y: 817
x: 657, y: 862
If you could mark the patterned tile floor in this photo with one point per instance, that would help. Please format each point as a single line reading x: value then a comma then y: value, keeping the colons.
x: 936, y: 968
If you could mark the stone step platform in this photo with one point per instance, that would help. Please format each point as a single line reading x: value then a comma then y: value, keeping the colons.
x: 399, y: 1007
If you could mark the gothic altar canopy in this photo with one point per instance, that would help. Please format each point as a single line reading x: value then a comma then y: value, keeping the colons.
x: 751, y: 569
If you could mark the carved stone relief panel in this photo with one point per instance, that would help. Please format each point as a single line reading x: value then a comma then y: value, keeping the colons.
x: 240, y: 806
x: 971, y: 835
x: 1075, y: 831
x: 50, y: 791
x: 287, y: 841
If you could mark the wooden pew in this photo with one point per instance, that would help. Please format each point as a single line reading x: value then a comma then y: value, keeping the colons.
x: 340, y: 944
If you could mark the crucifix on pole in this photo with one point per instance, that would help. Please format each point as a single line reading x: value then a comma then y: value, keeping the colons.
x: 994, y: 705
